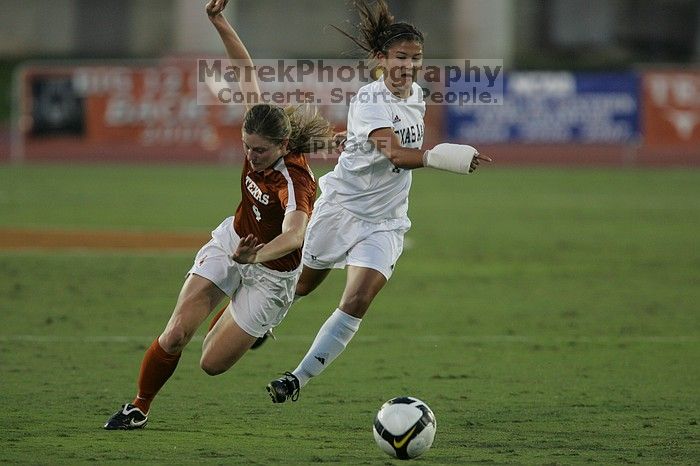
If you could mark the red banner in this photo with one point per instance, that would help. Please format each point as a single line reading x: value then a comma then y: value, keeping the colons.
x: 142, y: 112
x: 671, y: 108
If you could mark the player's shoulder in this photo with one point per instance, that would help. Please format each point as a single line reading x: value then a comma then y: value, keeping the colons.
x: 416, y: 93
x: 372, y: 93
x: 374, y: 86
x: 296, y: 167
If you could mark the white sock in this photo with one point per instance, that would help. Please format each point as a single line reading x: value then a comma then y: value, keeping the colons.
x: 331, y: 340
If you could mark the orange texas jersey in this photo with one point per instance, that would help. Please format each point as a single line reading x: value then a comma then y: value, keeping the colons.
x: 267, y: 196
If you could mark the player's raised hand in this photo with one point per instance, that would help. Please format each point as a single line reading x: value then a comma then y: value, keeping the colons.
x: 477, y: 158
x: 215, y: 7
x: 247, y: 250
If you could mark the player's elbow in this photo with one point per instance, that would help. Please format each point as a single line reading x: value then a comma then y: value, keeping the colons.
x: 295, y: 236
x: 297, y: 239
x: 395, y: 159
x: 294, y: 239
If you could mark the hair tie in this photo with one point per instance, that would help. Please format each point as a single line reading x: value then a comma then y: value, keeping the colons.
x: 395, y: 37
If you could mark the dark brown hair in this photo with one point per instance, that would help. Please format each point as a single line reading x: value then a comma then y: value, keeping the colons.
x: 301, y: 127
x: 377, y: 29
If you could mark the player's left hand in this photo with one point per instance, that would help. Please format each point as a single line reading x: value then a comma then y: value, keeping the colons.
x: 477, y: 158
x: 215, y: 7
x: 247, y: 250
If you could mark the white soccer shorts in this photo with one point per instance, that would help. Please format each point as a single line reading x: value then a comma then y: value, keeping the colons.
x: 260, y: 297
x: 336, y: 238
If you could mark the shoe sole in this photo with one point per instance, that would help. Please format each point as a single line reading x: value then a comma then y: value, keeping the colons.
x: 126, y: 427
x: 270, y: 391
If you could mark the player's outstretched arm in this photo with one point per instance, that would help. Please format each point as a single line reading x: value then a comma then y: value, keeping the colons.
x: 456, y: 158
x: 236, y: 51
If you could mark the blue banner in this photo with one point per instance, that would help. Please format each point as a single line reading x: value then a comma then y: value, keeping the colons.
x: 554, y: 107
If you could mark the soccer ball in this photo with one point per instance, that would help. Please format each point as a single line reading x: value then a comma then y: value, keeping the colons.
x: 404, y: 427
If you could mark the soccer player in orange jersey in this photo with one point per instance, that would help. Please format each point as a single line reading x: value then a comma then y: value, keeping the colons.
x: 253, y: 257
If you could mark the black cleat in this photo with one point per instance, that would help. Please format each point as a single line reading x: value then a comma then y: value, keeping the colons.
x: 285, y: 388
x: 128, y: 418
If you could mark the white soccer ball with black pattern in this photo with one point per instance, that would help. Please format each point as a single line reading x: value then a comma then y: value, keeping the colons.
x: 404, y: 427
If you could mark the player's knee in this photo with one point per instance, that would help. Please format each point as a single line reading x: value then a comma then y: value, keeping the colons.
x: 180, y: 329
x: 211, y: 367
x: 174, y: 339
x: 356, y: 304
x: 303, y: 288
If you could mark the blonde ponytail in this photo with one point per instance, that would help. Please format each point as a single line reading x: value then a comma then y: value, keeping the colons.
x: 309, y: 130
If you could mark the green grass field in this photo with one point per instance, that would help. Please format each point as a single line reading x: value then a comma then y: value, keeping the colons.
x: 546, y: 316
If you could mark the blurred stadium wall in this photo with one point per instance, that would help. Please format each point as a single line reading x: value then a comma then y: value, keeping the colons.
x: 628, y: 70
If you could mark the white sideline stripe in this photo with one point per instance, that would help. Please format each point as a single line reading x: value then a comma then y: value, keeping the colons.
x: 281, y: 167
x: 419, y: 338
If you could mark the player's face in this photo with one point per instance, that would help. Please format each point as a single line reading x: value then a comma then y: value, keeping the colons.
x: 261, y: 152
x: 401, y: 65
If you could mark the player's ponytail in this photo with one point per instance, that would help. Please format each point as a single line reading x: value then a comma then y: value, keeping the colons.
x: 377, y: 29
x: 309, y: 131
x: 304, y: 129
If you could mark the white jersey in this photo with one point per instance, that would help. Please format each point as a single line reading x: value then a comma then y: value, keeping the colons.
x: 364, y: 181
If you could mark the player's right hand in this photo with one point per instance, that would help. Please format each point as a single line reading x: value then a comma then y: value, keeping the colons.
x: 247, y: 250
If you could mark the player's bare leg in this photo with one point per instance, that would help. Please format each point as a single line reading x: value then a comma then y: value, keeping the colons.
x: 309, y: 280
x: 224, y: 345
x: 197, y: 299
x: 258, y: 342
x: 361, y: 287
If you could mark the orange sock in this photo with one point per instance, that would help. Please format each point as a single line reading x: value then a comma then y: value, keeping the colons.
x: 216, y: 318
x: 156, y: 368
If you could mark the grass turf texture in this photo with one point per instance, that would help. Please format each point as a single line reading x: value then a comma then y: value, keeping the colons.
x: 546, y: 316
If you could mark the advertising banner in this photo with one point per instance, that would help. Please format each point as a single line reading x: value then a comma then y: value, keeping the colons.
x: 671, y: 115
x: 132, y: 112
x: 554, y: 108
x: 145, y: 112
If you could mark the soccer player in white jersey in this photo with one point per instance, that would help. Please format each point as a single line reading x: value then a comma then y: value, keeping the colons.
x: 360, y: 219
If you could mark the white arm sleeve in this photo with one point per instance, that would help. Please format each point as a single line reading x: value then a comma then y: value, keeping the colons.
x: 454, y: 158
